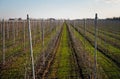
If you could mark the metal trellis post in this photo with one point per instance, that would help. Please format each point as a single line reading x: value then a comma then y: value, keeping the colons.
x: 31, y: 49
x: 95, y: 52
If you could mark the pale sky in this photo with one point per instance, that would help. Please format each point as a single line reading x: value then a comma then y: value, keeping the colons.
x: 68, y: 9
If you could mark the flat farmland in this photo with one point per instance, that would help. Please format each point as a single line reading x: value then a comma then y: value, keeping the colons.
x: 61, y: 49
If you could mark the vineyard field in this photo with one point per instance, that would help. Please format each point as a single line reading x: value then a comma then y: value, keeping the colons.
x: 60, y: 49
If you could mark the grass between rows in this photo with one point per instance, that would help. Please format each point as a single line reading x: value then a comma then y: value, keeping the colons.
x: 61, y: 67
x: 110, y: 69
x: 16, y: 69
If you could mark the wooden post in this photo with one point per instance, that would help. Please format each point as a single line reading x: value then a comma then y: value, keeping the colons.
x: 13, y: 29
x: 33, y: 23
x: 1, y: 28
x: 17, y: 27
x: 40, y: 29
x: 84, y: 55
x: 24, y: 26
x: 31, y: 49
x: 7, y: 30
x: 43, y: 42
x: 3, y: 31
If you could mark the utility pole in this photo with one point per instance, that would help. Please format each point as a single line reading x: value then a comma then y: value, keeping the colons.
x: 31, y: 49
x: 95, y: 52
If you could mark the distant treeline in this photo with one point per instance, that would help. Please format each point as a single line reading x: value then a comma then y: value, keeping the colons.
x: 114, y: 18
x: 91, y: 19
